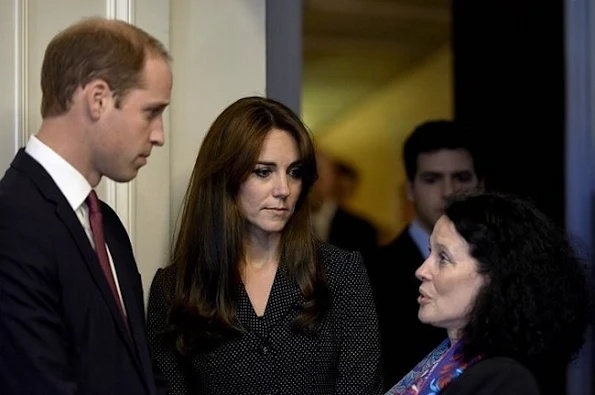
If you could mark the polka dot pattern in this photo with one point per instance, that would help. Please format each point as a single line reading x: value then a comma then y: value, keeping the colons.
x: 342, y: 358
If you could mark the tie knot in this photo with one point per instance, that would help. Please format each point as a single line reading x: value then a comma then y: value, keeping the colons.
x: 93, y: 203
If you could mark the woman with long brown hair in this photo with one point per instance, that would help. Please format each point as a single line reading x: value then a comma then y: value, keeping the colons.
x: 252, y: 303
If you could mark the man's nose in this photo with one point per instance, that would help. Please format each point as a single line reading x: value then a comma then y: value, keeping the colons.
x: 158, y: 134
x: 448, y: 188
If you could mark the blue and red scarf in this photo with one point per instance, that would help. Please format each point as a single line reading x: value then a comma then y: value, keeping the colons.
x: 434, y: 372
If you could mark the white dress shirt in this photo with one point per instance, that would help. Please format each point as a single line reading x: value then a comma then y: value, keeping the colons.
x: 73, y: 186
x: 420, y: 237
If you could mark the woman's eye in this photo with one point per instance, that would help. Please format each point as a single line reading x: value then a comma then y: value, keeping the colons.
x: 296, y: 172
x: 262, y: 173
x: 444, y: 258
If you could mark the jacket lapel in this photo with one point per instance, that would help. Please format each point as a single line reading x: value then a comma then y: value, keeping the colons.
x: 285, y: 298
x: 50, y: 191
x: 69, y: 218
x: 135, y: 316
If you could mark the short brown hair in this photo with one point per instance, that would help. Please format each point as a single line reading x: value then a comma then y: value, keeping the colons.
x: 111, y: 50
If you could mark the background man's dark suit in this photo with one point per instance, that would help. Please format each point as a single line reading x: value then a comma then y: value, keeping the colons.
x: 352, y: 233
x: 60, y: 329
x: 404, y: 339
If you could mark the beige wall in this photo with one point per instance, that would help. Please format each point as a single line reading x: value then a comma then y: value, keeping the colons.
x: 371, y: 135
x: 219, y: 51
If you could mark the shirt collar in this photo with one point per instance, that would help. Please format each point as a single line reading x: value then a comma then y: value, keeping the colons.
x: 71, y: 183
x: 420, y: 237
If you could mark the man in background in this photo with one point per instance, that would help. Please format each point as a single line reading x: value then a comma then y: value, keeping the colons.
x: 441, y: 159
x: 333, y: 221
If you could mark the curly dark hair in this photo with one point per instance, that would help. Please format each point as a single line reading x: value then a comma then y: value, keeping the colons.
x: 535, y: 305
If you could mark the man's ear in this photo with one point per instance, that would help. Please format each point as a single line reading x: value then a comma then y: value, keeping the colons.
x: 97, y: 98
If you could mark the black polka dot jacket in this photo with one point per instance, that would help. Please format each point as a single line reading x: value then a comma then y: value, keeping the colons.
x: 343, y: 358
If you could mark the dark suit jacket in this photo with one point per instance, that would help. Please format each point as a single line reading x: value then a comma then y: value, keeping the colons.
x: 352, y: 233
x: 271, y: 358
x: 494, y: 376
x: 60, y: 329
x: 405, y: 340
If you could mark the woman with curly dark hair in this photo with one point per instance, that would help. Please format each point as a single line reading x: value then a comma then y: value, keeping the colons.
x: 511, y: 293
x: 252, y: 303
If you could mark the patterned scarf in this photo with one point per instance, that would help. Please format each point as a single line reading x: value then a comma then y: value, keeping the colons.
x: 434, y: 372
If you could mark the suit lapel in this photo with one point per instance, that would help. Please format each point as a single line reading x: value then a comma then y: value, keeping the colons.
x: 50, y: 191
x: 135, y: 316
x: 416, y: 257
x: 68, y: 217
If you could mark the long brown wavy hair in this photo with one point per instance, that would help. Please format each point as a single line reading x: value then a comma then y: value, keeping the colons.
x: 210, y: 243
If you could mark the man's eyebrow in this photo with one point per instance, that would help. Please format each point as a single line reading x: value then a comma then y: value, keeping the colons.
x: 156, y: 106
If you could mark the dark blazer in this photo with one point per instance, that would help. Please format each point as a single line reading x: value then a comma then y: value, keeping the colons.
x: 494, y: 376
x: 60, y: 329
x: 352, y: 233
x: 270, y: 358
x: 405, y: 340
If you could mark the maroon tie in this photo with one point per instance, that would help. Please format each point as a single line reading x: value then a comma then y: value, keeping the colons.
x: 97, y: 228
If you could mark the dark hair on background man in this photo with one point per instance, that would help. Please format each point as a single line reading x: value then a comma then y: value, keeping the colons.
x: 435, y: 135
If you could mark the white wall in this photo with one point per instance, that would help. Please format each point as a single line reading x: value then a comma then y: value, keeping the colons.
x: 10, y: 108
x: 219, y: 55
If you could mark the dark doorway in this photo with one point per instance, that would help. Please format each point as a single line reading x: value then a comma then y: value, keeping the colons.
x: 509, y: 86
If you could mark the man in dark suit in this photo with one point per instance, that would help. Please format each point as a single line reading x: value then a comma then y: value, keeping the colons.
x: 352, y: 232
x: 334, y: 223
x: 441, y: 159
x: 71, y: 300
